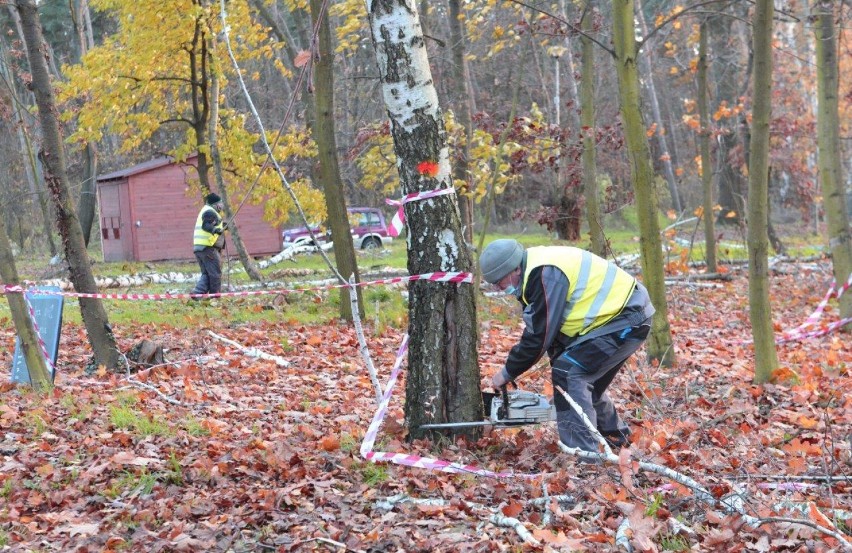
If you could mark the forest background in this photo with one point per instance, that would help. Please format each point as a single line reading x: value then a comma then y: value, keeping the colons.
x: 513, y: 124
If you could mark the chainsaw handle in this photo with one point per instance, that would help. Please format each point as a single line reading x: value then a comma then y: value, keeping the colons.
x: 503, y: 411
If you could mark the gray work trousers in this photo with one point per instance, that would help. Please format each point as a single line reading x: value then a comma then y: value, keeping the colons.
x: 585, y: 372
x: 211, y: 271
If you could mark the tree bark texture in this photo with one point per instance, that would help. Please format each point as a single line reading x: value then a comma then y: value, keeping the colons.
x: 443, y: 374
x: 328, y: 170
x: 828, y: 144
x: 36, y: 363
x: 56, y: 177
x: 760, y: 313
x: 706, y: 162
x: 587, y: 124
x: 659, y: 343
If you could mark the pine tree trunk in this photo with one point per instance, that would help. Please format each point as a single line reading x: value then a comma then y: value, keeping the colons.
x: 443, y: 374
x: 56, y: 176
x: 36, y: 363
x: 706, y: 162
x: 328, y: 171
x: 587, y: 117
x: 828, y: 142
x: 760, y: 312
x: 659, y: 345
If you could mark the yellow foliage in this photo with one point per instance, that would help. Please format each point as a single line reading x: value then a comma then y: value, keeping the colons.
x: 352, y: 28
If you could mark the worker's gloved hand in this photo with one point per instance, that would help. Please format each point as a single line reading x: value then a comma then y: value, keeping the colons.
x: 498, y: 380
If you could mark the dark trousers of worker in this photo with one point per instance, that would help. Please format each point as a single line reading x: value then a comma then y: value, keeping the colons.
x: 211, y: 271
x: 585, y: 372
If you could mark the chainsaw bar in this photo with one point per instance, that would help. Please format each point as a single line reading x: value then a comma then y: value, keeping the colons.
x: 507, y: 409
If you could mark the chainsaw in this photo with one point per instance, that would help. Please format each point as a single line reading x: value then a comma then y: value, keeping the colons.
x: 515, y: 408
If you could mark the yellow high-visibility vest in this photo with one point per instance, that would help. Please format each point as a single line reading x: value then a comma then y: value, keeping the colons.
x: 597, y: 291
x: 201, y: 237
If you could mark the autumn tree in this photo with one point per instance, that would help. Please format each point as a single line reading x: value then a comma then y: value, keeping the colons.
x: 828, y: 132
x: 155, y: 74
x: 56, y: 176
x: 760, y: 312
x: 443, y: 374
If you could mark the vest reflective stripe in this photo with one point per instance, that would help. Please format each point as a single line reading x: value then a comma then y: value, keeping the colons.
x: 201, y: 237
x: 597, y: 289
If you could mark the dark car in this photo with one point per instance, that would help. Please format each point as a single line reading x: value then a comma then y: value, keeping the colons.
x: 369, y: 230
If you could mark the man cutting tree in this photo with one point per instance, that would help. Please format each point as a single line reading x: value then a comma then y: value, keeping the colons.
x: 587, y: 314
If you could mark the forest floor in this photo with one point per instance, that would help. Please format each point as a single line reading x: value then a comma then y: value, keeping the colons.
x: 218, y: 451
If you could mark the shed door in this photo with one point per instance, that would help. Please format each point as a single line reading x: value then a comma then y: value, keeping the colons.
x: 115, y: 234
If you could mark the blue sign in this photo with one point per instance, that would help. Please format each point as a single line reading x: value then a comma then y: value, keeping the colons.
x: 48, y: 316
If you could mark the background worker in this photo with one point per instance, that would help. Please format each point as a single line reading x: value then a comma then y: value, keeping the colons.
x: 208, y: 240
x: 587, y: 314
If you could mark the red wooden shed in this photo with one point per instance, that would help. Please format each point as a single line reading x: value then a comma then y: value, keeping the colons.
x: 148, y: 213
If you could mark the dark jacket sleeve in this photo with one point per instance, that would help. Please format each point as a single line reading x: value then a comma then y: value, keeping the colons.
x: 546, y: 293
x: 211, y: 222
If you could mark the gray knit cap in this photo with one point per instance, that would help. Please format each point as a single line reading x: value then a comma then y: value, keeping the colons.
x: 499, y: 258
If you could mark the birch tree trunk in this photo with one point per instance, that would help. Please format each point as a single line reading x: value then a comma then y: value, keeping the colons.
x: 328, y: 170
x: 660, y: 345
x: 56, y: 176
x: 828, y: 143
x: 760, y: 313
x: 706, y: 162
x: 443, y: 373
x: 36, y: 363
x: 589, y: 132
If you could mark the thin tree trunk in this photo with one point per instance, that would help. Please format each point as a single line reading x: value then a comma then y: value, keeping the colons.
x: 36, y: 363
x: 706, y: 162
x: 828, y: 142
x: 328, y: 171
x: 589, y: 132
x: 215, y: 157
x: 88, y: 191
x: 443, y: 372
x: 662, y: 142
x: 29, y: 160
x: 760, y: 313
x: 461, y: 105
x: 55, y: 175
x: 660, y: 345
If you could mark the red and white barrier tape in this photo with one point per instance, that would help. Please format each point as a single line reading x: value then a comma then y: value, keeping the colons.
x: 408, y: 459
x: 434, y: 277
x: 41, y: 343
x: 398, y: 221
x: 804, y: 330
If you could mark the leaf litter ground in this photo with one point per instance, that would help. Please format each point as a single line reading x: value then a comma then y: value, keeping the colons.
x: 257, y: 457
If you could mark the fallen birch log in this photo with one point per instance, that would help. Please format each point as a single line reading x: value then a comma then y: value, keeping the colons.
x: 252, y: 352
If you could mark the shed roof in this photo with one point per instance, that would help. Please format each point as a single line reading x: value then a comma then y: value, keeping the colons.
x: 155, y: 163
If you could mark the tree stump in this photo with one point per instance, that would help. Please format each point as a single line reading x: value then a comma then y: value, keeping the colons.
x: 146, y: 353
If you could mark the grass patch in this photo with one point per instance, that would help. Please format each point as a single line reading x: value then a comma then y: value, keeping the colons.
x: 126, y: 418
x: 194, y: 427
x: 673, y: 542
x: 132, y: 483
x: 373, y: 473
